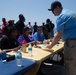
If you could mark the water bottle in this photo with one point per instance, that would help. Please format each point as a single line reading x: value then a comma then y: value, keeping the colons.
x: 44, y: 43
x: 30, y: 50
x: 3, y: 56
x: 19, y: 58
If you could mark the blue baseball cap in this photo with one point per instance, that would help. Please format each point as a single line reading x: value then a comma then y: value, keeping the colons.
x: 54, y: 5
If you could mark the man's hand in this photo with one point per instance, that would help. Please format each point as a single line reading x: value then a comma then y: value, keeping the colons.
x: 48, y: 46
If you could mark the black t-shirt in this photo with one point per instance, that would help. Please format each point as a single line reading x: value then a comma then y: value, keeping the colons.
x: 8, y: 43
x: 20, y: 25
x: 35, y: 28
x: 50, y: 26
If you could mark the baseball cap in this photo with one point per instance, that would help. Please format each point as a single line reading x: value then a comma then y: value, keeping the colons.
x: 54, y: 5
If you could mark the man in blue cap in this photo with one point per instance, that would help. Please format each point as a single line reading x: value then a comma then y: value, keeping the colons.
x: 66, y: 26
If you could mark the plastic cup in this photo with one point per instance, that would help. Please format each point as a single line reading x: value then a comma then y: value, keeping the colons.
x: 24, y: 48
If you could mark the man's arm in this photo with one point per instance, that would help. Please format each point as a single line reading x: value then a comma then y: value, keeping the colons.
x: 57, y: 37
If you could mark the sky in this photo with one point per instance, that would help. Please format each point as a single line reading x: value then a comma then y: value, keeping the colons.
x: 33, y: 10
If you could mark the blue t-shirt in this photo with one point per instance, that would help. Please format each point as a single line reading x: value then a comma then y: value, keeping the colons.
x: 66, y: 22
x: 38, y: 37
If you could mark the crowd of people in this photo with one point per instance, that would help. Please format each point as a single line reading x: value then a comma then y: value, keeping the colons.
x: 13, y: 34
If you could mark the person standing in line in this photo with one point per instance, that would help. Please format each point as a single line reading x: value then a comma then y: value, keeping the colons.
x: 35, y: 27
x: 4, y: 25
x: 45, y: 31
x: 66, y: 26
x: 50, y: 26
x: 30, y: 26
x: 20, y: 24
x: 43, y: 24
x: 10, y: 25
